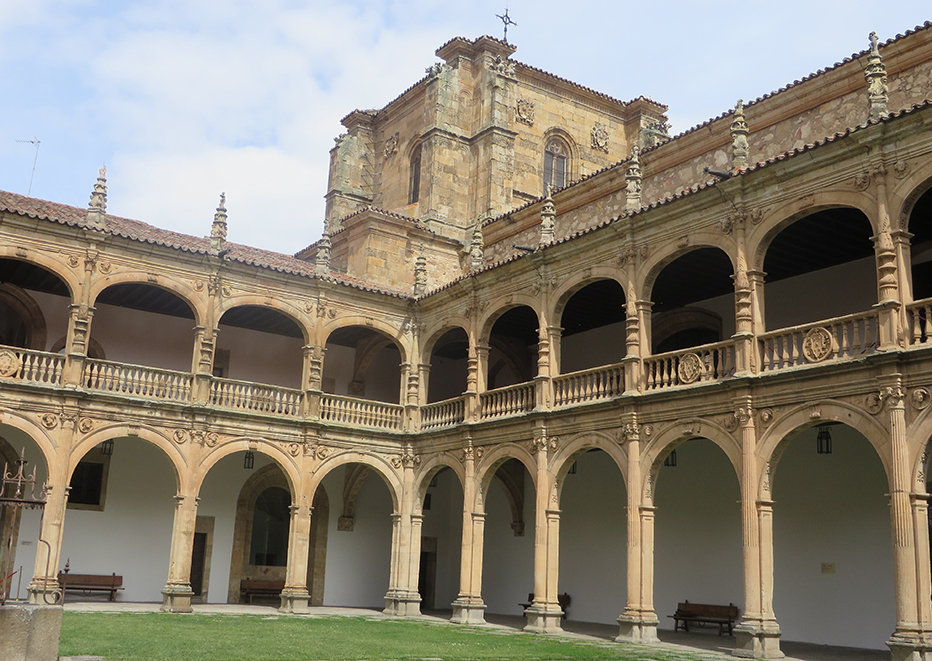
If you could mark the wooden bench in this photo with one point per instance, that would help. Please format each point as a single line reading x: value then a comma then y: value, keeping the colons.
x: 90, y: 583
x: 723, y: 616
x: 251, y: 587
x: 563, y: 599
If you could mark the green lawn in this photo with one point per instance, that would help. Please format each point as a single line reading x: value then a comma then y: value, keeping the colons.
x: 166, y: 637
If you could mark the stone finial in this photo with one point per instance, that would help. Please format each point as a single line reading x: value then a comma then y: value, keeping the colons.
x: 477, y: 246
x: 740, y: 149
x: 98, y: 204
x: 218, y: 229
x: 548, y: 214
x: 420, y: 275
x: 876, y: 75
x: 322, y: 262
x: 633, y: 177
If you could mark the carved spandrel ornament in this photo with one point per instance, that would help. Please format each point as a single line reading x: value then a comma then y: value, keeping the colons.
x: 599, y: 137
x: 862, y: 181
x: 391, y: 145
x: 85, y: 425
x: 818, y: 345
x: 765, y: 416
x: 920, y: 398
x: 49, y: 420
x: 900, y: 169
x: 524, y: 112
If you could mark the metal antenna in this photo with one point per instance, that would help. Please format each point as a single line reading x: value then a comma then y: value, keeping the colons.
x: 36, y: 142
x: 506, y: 19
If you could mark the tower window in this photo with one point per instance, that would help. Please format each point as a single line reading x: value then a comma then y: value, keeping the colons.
x: 414, y: 184
x: 555, y: 161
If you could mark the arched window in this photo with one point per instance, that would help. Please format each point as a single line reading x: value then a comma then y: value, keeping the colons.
x: 556, y: 162
x: 414, y: 180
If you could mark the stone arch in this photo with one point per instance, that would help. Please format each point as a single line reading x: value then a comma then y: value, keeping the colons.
x: 352, y: 485
x: 580, y: 443
x: 29, y: 311
x: 492, y: 460
x: 581, y: 280
x: 71, y: 279
x: 919, y: 439
x: 382, y: 467
x: 502, y: 305
x: 174, y: 455
x: 665, y: 441
x: 282, y: 458
x: 282, y: 306
x: 775, y: 439
x: 782, y: 217
x: 94, y: 348
x: 393, y: 334
x: 430, y: 468
x: 907, y: 192
x: 180, y: 289
x: 36, y: 433
x: 666, y: 255
x: 438, y: 331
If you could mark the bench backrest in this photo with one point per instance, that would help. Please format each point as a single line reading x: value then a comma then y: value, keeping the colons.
x: 707, y: 610
x: 95, y: 580
x: 260, y: 584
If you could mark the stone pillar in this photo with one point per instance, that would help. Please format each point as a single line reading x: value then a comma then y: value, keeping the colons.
x: 203, y: 363
x: 468, y: 608
x: 912, y: 639
x: 757, y: 635
x: 424, y: 382
x: 644, y: 336
x: 294, y: 596
x: 543, y: 615
x: 888, y: 295
x: 756, y: 280
x: 745, y: 341
x: 79, y: 329
x: 402, y: 598
x: 476, y: 380
x: 920, y: 507
x: 543, y: 385
x: 311, y: 381
x: 43, y: 589
x: 177, y: 593
x: 637, y: 624
x: 632, y: 357
x: 411, y: 380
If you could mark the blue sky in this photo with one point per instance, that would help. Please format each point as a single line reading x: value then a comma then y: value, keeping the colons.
x: 184, y: 99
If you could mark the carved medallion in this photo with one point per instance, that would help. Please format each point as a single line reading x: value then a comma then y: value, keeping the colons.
x: 920, y: 398
x: 900, y: 169
x: 766, y: 416
x: 49, y: 420
x: 600, y: 137
x: 85, y: 425
x: 524, y: 112
x: 9, y: 363
x: 391, y: 145
x: 180, y: 436
x: 818, y: 345
x: 862, y: 181
x: 689, y: 368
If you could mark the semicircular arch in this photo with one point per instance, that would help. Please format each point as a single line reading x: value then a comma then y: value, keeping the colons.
x: 391, y: 333
x: 381, y: 466
x: 578, y: 281
x: 72, y: 280
x: 153, y: 436
x: 500, y: 306
x: 245, y: 444
x: 583, y: 442
x: 278, y: 305
x: 668, y: 254
x: 177, y: 287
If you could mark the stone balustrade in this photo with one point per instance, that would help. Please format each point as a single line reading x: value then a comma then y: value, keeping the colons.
x: 850, y: 336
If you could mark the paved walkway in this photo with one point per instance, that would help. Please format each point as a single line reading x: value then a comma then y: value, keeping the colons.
x: 707, y: 644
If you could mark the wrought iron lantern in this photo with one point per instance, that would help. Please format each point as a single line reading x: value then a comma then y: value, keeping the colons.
x: 106, y: 447
x: 824, y: 440
x: 670, y: 461
x: 249, y: 460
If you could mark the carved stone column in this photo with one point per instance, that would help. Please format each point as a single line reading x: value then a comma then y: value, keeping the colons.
x: 177, y: 593
x: 313, y: 375
x: 544, y: 613
x: 402, y: 598
x: 543, y: 385
x: 424, y: 383
x: 637, y: 624
x: 476, y: 380
x: 43, y: 589
x: 912, y: 639
x: 468, y: 608
x: 79, y: 329
x: 758, y: 634
x: 203, y: 362
x: 756, y: 280
x: 888, y: 287
x: 294, y: 596
x: 745, y: 341
x: 644, y: 336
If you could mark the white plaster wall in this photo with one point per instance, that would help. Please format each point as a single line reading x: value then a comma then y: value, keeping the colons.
x: 358, y: 562
x: 383, y: 379
x: 593, y: 539
x: 338, y: 365
x: 218, y: 497
x: 444, y: 520
x: 132, y: 536
x: 262, y: 357
x: 55, y: 310
x: 697, y: 531
x: 832, y: 509
x: 144, y: 338
x: 508, y: 561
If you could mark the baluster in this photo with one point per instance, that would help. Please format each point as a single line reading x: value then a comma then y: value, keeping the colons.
x: 868, y: 334
x: 844, y: 338
x: 856, y: 343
